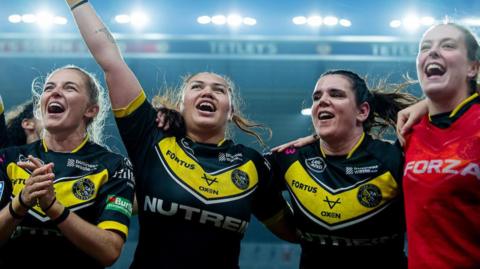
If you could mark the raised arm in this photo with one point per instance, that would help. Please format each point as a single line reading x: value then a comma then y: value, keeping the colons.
x: 122, y: 83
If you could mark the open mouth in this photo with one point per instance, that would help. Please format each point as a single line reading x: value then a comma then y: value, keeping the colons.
x: 324, y: 115
x: 206, y: 107
x: 434, y: 69
x: 55, y: 108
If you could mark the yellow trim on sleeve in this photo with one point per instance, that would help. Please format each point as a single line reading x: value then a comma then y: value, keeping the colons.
x: 125, y: 111
x: 113, y: 225
x: 276, y: 218
x: 463, y: 103
x: 1, y: 105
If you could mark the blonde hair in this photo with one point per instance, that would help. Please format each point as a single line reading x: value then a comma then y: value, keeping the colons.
x: 97, y: 96
x: 173, y: 98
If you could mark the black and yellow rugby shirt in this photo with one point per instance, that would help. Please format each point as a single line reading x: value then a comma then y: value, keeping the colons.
x: 194, y: 199
x: 347, y: 209
x: 91, y: 181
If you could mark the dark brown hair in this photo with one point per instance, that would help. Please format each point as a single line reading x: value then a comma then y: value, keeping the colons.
x: 385, y: 101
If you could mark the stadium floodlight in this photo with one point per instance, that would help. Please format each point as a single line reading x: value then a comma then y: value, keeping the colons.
x: 15, y: 18
x: 204, y: 19
x: 249, y: 21
x: 411, y: 22
x: 234, y: 20
x: 44, y: 19
x: 123, y: 18
x: 139, y: 19
x: 29, y: 18
x: 306, y: 111
x: 314, y: 21
x: 219, y: 19
x: 395, y: 23
x: 345, y: 23
x: 60, y: 20
x: 427, y: 21
x: 330, y: 20
x: 299, y: 20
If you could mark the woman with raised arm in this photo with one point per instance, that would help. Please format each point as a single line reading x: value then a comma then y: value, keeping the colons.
x: 196, y: 191
x: 66, y: 200
x: 345, y: 187
x: 442, y: 160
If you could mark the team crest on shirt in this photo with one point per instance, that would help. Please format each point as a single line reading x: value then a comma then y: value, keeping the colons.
x: 316, y: 164
x: 83, y: 189
x: 369, y: 195
x: 240, y: 179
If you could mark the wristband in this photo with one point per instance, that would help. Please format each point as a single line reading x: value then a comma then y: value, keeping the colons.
x: 22, y: 203
x: 50, y: 205
x: 14, y: 214
x: 62, y: 216
x: 75, y: 3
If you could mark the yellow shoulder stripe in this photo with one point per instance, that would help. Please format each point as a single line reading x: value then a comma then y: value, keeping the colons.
x: 130, y: 108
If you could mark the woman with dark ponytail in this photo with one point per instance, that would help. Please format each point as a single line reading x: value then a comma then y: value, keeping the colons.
x: 345, y: 187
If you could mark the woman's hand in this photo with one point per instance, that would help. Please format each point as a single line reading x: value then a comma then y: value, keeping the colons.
x: 408, y: 117
x: 170, y: 121
x: 39, y: 186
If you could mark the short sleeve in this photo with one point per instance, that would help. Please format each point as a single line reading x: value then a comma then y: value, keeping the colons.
x: 136, y: 124
x: 116, y: 199
x: 268, y: 201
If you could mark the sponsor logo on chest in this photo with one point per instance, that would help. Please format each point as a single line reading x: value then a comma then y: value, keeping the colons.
x: 189, y: 213
x: 447, y: 166
x: 82, y: 165
x: 316, y: 164
x: 227, y: 157
x: 360, y: 170
x: 179, y: 161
